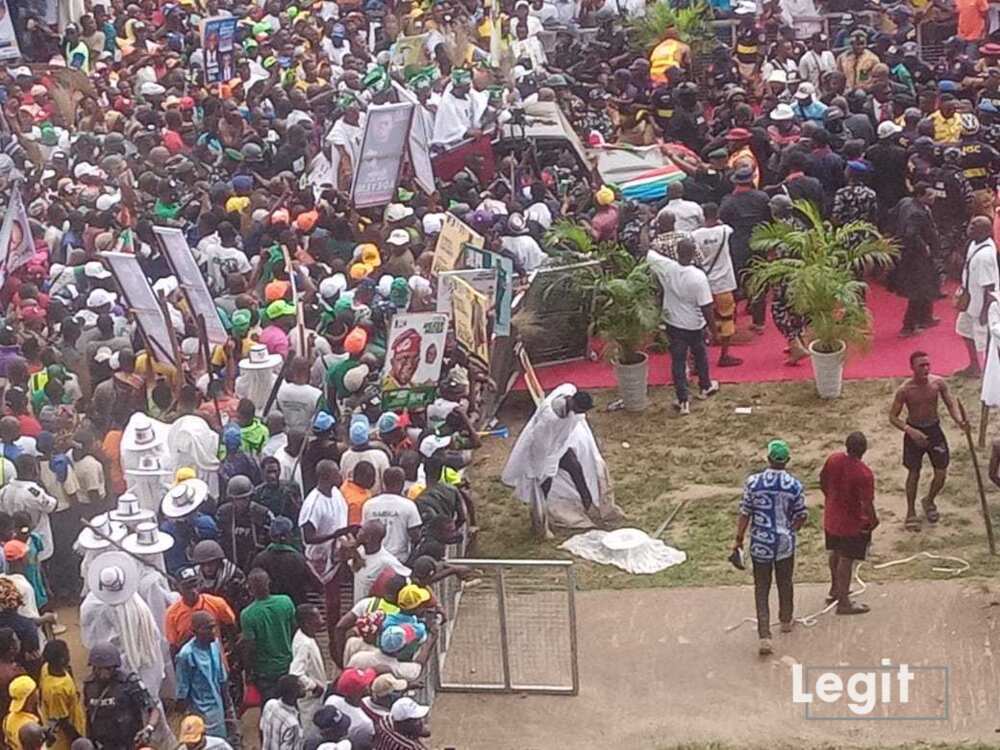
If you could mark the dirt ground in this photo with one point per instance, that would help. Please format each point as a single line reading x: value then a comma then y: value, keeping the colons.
x: 657, y: 669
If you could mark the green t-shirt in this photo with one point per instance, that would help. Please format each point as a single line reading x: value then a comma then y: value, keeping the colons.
x: 270, y: 624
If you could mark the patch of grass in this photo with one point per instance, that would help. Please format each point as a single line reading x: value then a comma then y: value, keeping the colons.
x: 657, y: 459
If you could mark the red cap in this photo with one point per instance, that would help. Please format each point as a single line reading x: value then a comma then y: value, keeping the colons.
x: 992, y: 49
x: 738, y: 134
x: 354, y: 683
x: 187, y: 102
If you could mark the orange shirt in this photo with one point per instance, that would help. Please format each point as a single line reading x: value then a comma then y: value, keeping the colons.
x: 356, y: 497
x: 972, y: 19
x: 112, y: 450
x: 178, y: 617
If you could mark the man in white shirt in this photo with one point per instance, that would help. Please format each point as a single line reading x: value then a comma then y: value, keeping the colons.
x: 224, y: 258
x: 712, y: 241
x: 323, y: 519
x: 373, y: 558
x: 817, y: 61
x: 688, y: 215
x: 25, y: 494
x: 297, y: 400
x: 979, y: 279
x: 521, y: 246
x: 398, y: 514
x: 345, y: 141
x: 456, y: 117
x: 307, y: 661
x: 687, y: 309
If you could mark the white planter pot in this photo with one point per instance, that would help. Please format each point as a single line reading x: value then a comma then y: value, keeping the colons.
x: 633, y: 382
x: 828, y: 370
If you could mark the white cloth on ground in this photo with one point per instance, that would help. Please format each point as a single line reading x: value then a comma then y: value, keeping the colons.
x: 629, y: 549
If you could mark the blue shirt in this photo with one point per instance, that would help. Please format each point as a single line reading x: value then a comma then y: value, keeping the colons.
x: 186, y: 532
x: 773, y: 499
x: 201, y: 678
x: 813, y: 111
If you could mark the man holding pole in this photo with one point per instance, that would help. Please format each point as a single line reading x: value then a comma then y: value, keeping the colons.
x: 922, y: 434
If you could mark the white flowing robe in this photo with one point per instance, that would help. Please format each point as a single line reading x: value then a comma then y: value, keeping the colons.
x: 194, y: 444
x: 148, y: 489
x: 535, y: 458
x: 131, y: 628
x: 154, y: 589
x: 454, y: 118
x: 991, y: 374
x: 256, y: 385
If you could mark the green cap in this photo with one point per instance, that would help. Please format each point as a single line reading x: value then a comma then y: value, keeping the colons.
x: 292, y: 11
x: 777, y: 450
x: 279, y: 308
x: 240, y: 321
x: 460, y: 76
x: 399, y: 292
x: 343, y: 304
x: 719, y: 153
x: 377, y: 79
x: 347, y: 99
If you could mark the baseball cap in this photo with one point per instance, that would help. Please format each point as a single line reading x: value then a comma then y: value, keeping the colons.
x: 19, y: 689
x: 354, y: 682
x: 281, y: 526
x: 388, y: 422
x: 101, y: 297
x: 359, y: 430
x: 385, y: 684
x: 412, y: 596
x: 432, y: 444
x: 331, y: 717
x: 406, y: 708
x: 15, y: 549
x: 398, y: 237
x: 104, y: 655
x: 279, y: 308
x: 777, y: 450
x: 323, y: 421
x: 888, y: 129
x: 192, y: 729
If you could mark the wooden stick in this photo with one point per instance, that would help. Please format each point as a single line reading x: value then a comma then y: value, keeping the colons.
x: 174, y: 344
x: 984, y: 420
x: 979, y: 480
x: 670, y: 518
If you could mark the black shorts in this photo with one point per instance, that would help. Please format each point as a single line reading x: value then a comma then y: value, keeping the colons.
x: 852, y: 547
x: 936, y: 450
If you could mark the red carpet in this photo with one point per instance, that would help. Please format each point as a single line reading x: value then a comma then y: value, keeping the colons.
x: 763, y: 359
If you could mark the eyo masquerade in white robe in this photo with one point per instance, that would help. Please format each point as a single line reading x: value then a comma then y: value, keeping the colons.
x: 551, y: 431
x: 991, y: 375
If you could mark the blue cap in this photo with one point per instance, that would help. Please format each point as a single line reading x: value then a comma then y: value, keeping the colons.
x: 339, y: 30
x: 360, y: 428
x: 393, y: 639
x: 388, y: 422
x: 859, y: 165
x: 281, y: 526
x: 242, y: 183
x: 948, y: 86
x: 985, y: 105
x: 323, y: 421
x: 232, y: 436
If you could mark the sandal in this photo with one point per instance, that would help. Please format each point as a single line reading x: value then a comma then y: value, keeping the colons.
x: 854, y: 609
x: 931, y: 512
x: 912, y: 523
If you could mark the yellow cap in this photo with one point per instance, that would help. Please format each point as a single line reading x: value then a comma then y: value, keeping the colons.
x: 605, y: 196
x: 412, y: 596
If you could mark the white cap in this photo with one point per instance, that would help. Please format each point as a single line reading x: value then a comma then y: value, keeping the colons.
x: 168, y: 285
x: 433, y: 443
x: 94, y: 269
x: 24, y: 70
x: 777, y: 76
x: 385, y: 285
x: 150, y: 88
x: 331, y: 286
x: 397, y: 212
x: 888, y: 129
x: 419, y: 285
x: 406, y: 708
x: 782, y: 112
x: 433, y: 223
x: 101, y: 297
x: 805, y: 90
x: 398, y: 237
x: 108, y: 201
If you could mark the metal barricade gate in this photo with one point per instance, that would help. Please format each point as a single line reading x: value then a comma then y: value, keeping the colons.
x: 513, y: 629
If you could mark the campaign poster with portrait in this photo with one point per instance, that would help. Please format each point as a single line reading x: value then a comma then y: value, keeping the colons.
x: 17, y: 246
x: 218, y: 40
x: 383, y: 146
x: 181, y: 260
x: 483, y: 280
x: 8, y: 40
x: 470, y: 310
x: 413, y: 357
x: 454, y: 234
x: 142, y: 303
x: 476, y: 257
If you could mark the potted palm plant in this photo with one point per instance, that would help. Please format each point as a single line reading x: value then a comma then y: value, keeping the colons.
x: 821, y: 267
x: 624, y: 310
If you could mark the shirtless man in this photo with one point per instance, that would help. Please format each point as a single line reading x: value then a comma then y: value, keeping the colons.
x: 922, y: 434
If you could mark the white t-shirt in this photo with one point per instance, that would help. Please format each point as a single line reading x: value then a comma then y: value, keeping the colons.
x: 685, y: 291
x: 982, y: 271
x: 361, y: 732
x: 713, y: 242
x: 365, y: 578
x: 688, y: 215
x: 90, y: 476
x: 540, y: 213
x: 524, y: 247
x: 18, y: 495
x: 398, y: 514
x: 223, y: 261
x: 327, y: 514
x: 298, y: 404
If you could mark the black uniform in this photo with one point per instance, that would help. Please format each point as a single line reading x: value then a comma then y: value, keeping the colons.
x: 979, y: 164
x: 116, y: 710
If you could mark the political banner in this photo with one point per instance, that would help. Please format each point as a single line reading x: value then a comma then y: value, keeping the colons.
x: 453, y: 236
x: 8, y: 40
x: 470, y: 310
x: 410, y: 51
x: 16, y: 244
x: 181, y: 260
x: 476, y: 257
x: 413, y: 357
x: 142, y: 303
x: 483, y: 280
x: 218, y: 39
x: 420, y: 153
x: 383, y: 144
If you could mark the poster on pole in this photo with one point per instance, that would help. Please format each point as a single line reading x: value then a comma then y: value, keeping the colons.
x: 420, y: 153
x: 178, y: 253
x: 483, y: 280
x: 470, y: 310
x: 476, y: 257
x: 16, y: 244
x: 454, y: 234
x: 383, y: 144
x: 413, y: 358
x: 141, y: 301
x: 8, y: 40
x: 218, y: 39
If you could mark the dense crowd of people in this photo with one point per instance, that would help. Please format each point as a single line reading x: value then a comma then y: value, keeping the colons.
x: 211, y: 507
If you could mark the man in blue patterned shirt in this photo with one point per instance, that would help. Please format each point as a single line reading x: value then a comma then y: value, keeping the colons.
x: 774, y: 509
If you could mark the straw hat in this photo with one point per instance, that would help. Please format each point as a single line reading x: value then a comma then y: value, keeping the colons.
x: 113, y: 578
x: 128, y: 510
x: 184, y: 498
x: 260, y: 359
x: 100, y: 531
x: 147, y: 540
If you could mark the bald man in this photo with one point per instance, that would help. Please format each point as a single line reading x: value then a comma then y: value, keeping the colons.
x: 979, y: 280
x: 371, y: 558
x: 32, y: 737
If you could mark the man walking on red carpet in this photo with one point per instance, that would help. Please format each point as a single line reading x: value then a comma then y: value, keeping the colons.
x: 922, y: 434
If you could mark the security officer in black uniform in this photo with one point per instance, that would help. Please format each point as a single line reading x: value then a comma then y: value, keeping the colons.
x: 980, y: 163
x: 120, y: 711
x: 687, y: 125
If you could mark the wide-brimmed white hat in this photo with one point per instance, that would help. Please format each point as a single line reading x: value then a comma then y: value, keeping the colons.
x: 113, y: 577
x: 140, y: 434
x: 149, y: 466
x: 128, y: 510
x: 259, y: 358
x: 147, y: 540
x: 100, y: 531
x: 184, y: 498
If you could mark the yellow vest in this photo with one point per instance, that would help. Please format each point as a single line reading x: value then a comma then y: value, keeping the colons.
x: 668, y: 54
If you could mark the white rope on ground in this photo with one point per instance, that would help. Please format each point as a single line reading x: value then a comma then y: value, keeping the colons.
x: 813, y: 619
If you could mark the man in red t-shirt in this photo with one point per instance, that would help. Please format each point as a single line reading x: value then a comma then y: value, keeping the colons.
x: 848, y: 517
